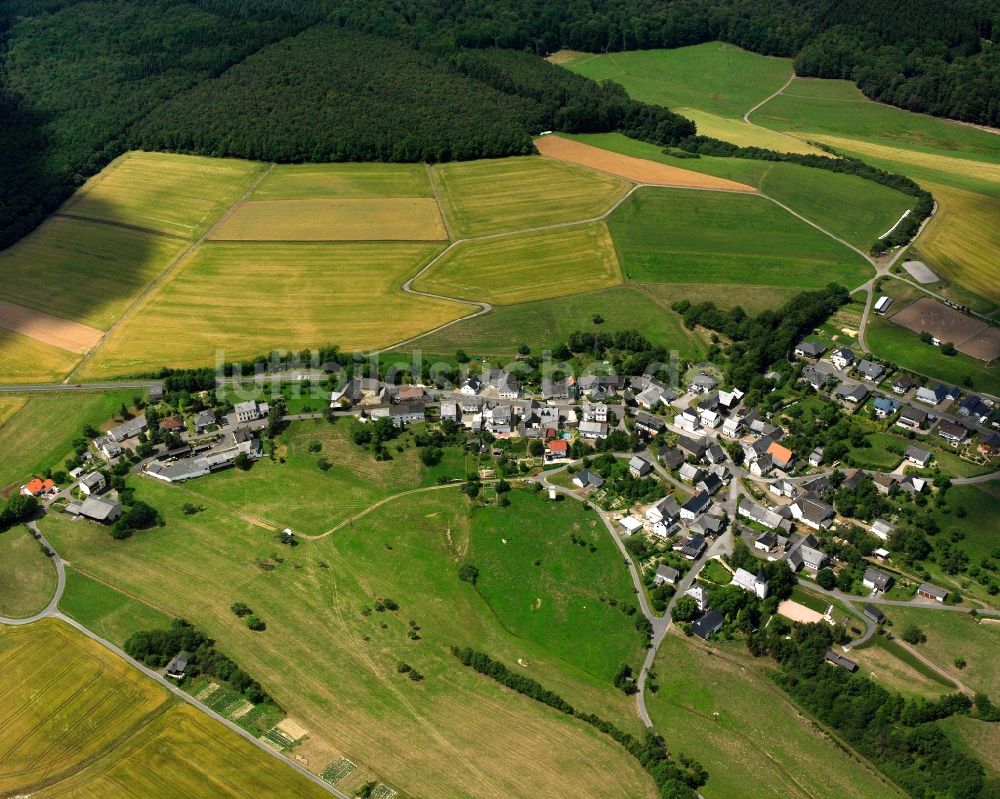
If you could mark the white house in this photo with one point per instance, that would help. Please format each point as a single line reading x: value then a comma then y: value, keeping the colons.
x: 630, y: 524
x: 250, y: 411
x: 666, y: 510
x: 842, y: 358
x: 748, y: 581
x: 881, y: 529
x: 92, y: 483
x: 686, y: 420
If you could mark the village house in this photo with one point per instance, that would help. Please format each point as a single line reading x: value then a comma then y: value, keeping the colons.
x: 708, y: 625
x: 709, y: 483
x: 710, y: 419
x: 693, y: 548
x: 842, y: 358
x: 816, y: 457
x: 763, y: 516
x: 351, y: 392
x: 471, y: 386
x: 558, y: 389
x: 809, y: 349
x: 108, y: 447
x: 556, y: 448
x: 932, y: 592
x: 588, y: 479
x: 699, y: 595
x: 595, y: 412
x: 901, y: 384
x: 852, y: 395
x: 783, y: 488
x: 666, y: 575
x: 812, y: 511
x: 912, y: 417
x: 766, y: 542
x: 881, y: 529
x: 639, y: 466
x: 648, y: 424
x: 506, y: 385
x: 918, y: 456
x: 93, y: 483
x: 951, y: 432
x: 873, y: 613
x: 664, y: 511
x: 690, y: 473
x: 672, y: 458
x: 695, y: 506
x: 630, y: 525
x: 877, y: 580
x: 687, y: 420
x: 781, y: 457
x: 692, y: 447
x: 989, y: 444
x: 803, y: 551
x: 870, y: 370
x: 250, y: 411
x: 593, y: 430
x: 204, y: 420
x: 932, y: 396
x: 815, y: 378
x: 885, y: 407
x: 96, y: 509
x: 974, y: 407
x: 37, y: 487
x: 702, y: 384
x: 128, y: 429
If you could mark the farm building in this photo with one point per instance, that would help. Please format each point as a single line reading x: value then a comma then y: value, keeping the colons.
x: 883, y: 305
x: 630, y: 524
x: 666, y: 575
x: 708, y: 624
x: 834, y: 659
x: 874, y: 613
x: 928, y: 591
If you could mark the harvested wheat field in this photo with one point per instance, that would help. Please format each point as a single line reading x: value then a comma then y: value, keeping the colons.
x: 47, y: 329
x: 630, y: 168
x: 969, y: 334
x: 383, y: 219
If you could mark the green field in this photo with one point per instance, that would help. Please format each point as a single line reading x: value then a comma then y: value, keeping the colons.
x: 898, y: 670
x: 309, y: 293
x: 334, y: 668
x: 105, y: 611
x: 83, y: 723
x: 716, y: 706
x: 544, y: 324
x: 715, y: 77
x: 561, y: 603
x: 180, y: 195
x: 343, y: 181
x: 981, y: 505
x: 84, y: 271
x: 668, y: 235
x: 878, y: 455
x: 954, y: 635
x: 525, y: 267
x: 27, y: 576
x: 299, y: 495
x: 24, y: 359
x: 904, y: 347
x: 40, y: 434
x: 981, y: 739
x: 508, y: 194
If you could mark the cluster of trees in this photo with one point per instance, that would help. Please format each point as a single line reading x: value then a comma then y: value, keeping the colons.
x: 620, y: 482
x: 904, y: 231
x: 900, y: 736
x: 17, y: 509
x: 155, y: 648
x: 763, y: 340
x: 675, y: 779
x: 137, y: 515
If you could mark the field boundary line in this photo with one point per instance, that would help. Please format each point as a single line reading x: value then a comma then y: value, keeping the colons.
x: 171, y: 269
x: 868, y: 258
x: 746, y: 116
x: 437, y: 198
x: 124, y: 225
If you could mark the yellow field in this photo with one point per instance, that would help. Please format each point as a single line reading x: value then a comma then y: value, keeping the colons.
x: 84, y: 271
x: 82, y: 723
x: 963, y: 237
x: 745, y: 135
x: 63, y: 701
x: 529, y: 266
x: 9, y: 405
x: 241, y: 300
x: 482, y: 197
x: 24, y: 359
x: 385, y: 219
x: 343, y: 181
x: 181, y: 195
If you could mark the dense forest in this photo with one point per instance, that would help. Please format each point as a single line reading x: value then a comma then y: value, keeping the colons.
x: 83, y: 80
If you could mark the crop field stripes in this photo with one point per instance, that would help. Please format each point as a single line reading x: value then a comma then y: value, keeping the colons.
x: 383, y: 791
x: 338, y: 770
x: 115, y: 223
x: 277, y: 739
x: 167, y: 273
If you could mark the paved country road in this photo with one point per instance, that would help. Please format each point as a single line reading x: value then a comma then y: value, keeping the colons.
x: 52, y: 612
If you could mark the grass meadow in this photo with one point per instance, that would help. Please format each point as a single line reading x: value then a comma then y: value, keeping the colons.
x: 716, y: 77
x: 24, y: 359
x: 39, y: 434
x: 179, y: 195
x: 547, y: 588
x: 898, y: 670
x: 27, y: 576
x: 508, y: 194
x: 717, y: 706
x: 312, y: 293
x: 544, y: 323
x: 343, y: 181
x: 529, y: 266
x: 744, y: 134
x: 666, y: 235
x: 105, y: 610
x: 332, y: 664
x: 379, y: 219
x: 84, y: 724
x: 981, y: 739
x: 81, y: 270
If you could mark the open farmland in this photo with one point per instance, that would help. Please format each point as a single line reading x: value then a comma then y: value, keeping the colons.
x: 635, y: 169
x: 313, y: 293
x: 343, y: 182
x: 529, y: 266
x: 51, y: 330
x: 744, y: 134
x: 40, y: 435
x: 455, y: 732
x: 91, y: 271
x: 27, y: 576
x: 24, y: 359
x: 502, y: 195
x: 65, y: 701
x: 105, y: 611
x: 82, y: 723
x: 968, y: 333
x: 543, y: 323
x: 384, y: 219
x: 537, y: 578
x: 716, y: 707
x: 669, y: 235
x: 180, y: 195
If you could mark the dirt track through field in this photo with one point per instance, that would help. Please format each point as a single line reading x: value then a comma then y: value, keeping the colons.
x: 62, y: 333
x: 637, y: 169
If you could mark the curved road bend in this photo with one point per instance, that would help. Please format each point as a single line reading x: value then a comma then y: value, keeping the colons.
x: 52, y: 612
